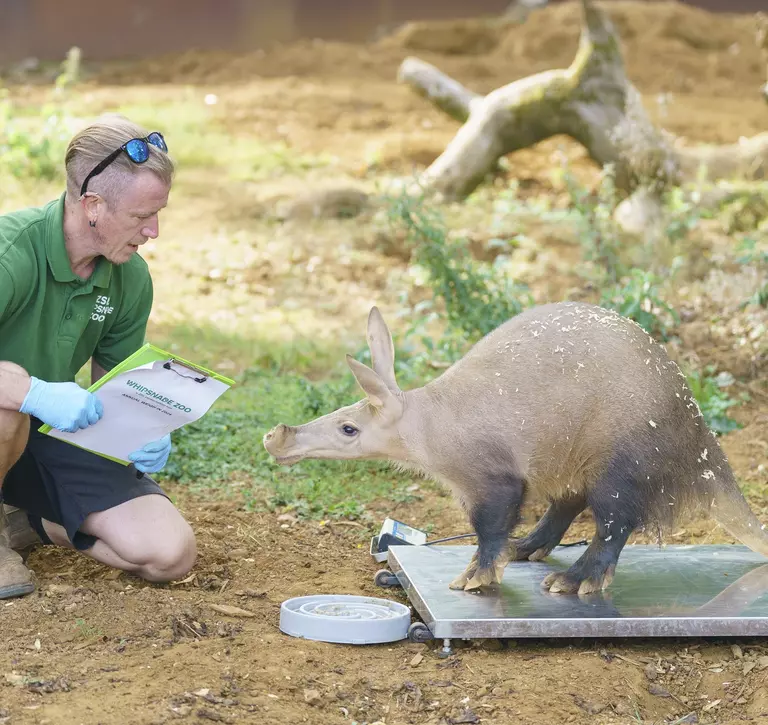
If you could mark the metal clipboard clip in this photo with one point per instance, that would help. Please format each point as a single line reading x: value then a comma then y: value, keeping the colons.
x: 168, y: 365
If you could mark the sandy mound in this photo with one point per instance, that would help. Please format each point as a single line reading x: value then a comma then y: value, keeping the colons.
x: 668, y: 46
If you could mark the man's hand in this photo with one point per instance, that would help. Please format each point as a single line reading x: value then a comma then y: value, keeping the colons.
x: 153, y: 456
x: 64, y: 406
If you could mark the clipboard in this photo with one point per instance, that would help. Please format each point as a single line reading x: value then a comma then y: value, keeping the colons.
x: 146, y: 357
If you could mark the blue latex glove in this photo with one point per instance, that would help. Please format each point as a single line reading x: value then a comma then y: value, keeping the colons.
x: 64, y: 406
x: 153, y: 456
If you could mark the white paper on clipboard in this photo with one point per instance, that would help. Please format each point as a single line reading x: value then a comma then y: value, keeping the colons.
x: 144, y: 404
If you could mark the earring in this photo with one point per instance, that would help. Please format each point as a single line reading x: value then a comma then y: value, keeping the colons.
x: 92, y: 223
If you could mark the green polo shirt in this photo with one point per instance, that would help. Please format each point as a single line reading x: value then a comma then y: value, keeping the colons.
x: 53, y: 322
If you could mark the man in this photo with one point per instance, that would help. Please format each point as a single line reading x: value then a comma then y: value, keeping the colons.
x: 74, y: 290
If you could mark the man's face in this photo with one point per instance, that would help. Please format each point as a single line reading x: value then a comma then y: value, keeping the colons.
x: 132, y: 217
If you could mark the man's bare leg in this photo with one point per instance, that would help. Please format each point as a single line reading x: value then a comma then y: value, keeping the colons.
x: 15, y: 578
x: 146, y: 536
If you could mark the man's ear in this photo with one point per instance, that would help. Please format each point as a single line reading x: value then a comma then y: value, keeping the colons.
x: 91, y: 204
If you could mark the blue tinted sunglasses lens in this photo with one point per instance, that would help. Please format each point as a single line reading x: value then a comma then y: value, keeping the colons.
x: 157, y: 140
x: 137, y: 150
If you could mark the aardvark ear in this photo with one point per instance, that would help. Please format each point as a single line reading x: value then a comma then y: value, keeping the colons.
x: 379, y: 395
x: 382, y: 348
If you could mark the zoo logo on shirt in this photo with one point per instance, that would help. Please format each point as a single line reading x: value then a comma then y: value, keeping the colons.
x: 101, y: 309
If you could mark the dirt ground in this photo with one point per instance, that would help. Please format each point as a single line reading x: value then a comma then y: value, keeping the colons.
x: 95, y: 647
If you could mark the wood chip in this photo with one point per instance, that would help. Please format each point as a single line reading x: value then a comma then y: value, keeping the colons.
x: 231, y: 611
x: 417, y: 660
x: 712, y: 704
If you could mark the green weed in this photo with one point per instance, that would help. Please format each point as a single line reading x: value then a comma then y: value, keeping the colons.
x: 713, y: 399
x: 475, y: 297
x: 638, y: 298
x: 599, y: 233
x: 754, y: 254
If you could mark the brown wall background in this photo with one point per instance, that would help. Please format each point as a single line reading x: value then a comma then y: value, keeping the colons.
x: 106, y: 29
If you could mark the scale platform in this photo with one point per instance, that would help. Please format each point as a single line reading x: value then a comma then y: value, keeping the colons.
x: 675, y: 591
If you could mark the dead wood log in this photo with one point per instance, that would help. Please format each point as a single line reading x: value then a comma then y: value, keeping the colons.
x: 592, y: 101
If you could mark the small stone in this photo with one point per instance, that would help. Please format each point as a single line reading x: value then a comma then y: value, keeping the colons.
x: 483, y: 691
x: 736, y: 650
x: 497, y: 691
x: 749, y: 666
x: 690, y: 719
x: 622, y: 707
x: 650, y: 671
x: 236, y: 554
x: 658, y: 690
x: 493, y: 645
x: 312, y: 697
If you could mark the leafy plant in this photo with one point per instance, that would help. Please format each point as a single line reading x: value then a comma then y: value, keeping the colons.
x: 713, y: 399
x: 599, y: 232
x: 476, y: 296
x: 638, y: 298
x: 752, y: 255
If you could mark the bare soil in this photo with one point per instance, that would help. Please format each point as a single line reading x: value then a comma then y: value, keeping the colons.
x: 93, y: 646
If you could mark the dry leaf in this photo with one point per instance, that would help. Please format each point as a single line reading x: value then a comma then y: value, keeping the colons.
x: 231, y: 611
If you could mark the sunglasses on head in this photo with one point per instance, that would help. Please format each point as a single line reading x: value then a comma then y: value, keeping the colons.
x: 137, y: 150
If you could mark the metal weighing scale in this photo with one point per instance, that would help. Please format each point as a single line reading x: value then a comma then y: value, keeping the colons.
x: 675, y: 591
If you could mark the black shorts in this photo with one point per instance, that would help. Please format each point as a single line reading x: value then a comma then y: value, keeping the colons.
x: 62, y: 483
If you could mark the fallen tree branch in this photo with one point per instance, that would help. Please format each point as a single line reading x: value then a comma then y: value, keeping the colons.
x: 592, y: 102
x: 442, y: 90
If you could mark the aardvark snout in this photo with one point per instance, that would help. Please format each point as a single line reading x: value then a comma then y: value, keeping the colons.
x: 279, y: 438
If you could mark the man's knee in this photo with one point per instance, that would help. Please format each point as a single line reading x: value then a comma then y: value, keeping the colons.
x: 14, y: 428
x: 176, y: 556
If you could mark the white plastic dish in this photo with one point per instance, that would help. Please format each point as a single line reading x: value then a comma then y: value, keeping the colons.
x: 345, y: 619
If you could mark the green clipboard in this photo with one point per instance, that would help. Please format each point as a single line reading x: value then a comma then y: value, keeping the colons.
x: 143, y: 356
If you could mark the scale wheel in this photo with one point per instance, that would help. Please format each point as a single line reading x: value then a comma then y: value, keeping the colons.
x: 386, y: 579
x: 419, y: 632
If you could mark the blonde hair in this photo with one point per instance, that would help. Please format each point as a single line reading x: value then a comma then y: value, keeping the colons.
x: 95, y: 142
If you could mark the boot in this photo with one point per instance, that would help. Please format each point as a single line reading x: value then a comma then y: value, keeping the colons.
x: 15, y: 578
x: 23, y: 537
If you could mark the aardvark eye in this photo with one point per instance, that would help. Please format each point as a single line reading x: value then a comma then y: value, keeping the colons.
x: 349, y: 430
